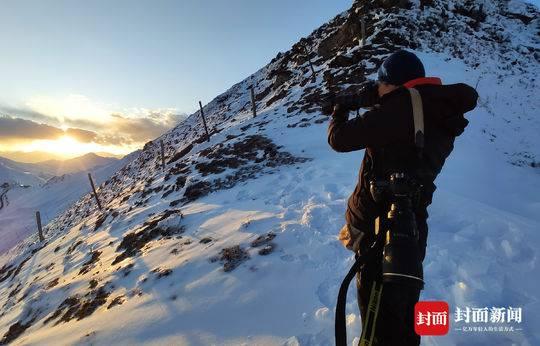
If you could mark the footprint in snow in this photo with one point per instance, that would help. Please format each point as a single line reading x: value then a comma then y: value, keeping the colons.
x: 287, y: 258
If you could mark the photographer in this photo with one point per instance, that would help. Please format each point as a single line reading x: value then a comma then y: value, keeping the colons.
x: 389, y: 133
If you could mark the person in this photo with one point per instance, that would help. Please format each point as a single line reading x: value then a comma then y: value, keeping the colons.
x: 387, y: 133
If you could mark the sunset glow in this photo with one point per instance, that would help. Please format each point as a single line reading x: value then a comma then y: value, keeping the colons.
x: 73, y: 107
x: 69, y: 147
x: 76, y: 125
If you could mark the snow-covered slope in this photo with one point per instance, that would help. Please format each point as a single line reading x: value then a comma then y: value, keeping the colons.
x: 19, y: 203
x: 17, y: 173
x: 235, y: 241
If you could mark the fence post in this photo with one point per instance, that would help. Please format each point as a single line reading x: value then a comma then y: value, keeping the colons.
x: 94, y: 190
x: 310, y: 64
x: 363, y: 32
x: 253, y: 104
x: 204, y: 123
x: 40, y: 230
x: 162, y: 155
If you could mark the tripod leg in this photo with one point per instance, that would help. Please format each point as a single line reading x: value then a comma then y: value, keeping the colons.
x: 370, y: 324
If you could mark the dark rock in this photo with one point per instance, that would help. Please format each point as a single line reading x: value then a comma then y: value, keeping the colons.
x: 160, y: 273
x: 267, y: 249
x: 263, y: 239
x: 205, y: 240
x: 132, y: 243
x: 231, y: 257
x: 116, y: 301
x: 90, y: 263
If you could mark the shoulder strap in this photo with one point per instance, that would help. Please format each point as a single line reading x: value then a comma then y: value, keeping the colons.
x: 418, y: 115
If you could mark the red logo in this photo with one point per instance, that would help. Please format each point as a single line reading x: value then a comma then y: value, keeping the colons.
x: 431, y: 318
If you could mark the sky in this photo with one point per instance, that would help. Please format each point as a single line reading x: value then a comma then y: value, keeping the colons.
x: 107, y: 76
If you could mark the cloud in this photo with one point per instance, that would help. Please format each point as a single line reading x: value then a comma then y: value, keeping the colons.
x: 17, y: 128
x: 137, y: 126
x: 144, y: 127
x: 125, y: 127
x: 72, y: 106
x: 81, y: 135
x: 113, y: 139
x: 84, y: 124
x: 27, y: 113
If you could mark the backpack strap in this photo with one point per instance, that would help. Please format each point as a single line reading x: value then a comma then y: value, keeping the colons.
x: 418, y: 115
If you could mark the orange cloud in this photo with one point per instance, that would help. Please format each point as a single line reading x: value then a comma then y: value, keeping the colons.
x: 81, y: 135
x: 17, y: 128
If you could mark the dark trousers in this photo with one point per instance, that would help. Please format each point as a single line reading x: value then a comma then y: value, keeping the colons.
x: 388, y: 308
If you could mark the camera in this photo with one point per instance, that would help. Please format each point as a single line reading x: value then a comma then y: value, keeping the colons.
x: 350, y: 100
x: 401, y: 262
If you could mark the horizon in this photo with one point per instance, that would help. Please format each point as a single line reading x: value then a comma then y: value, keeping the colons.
x: 41, y: 157
x: 125, y: 73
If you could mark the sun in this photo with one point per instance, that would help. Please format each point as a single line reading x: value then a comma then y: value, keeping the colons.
x: 65, y: 146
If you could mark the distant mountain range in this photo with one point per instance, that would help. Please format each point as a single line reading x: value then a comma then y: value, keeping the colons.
x: 48, y: 187
x: 40, y: 156
x: 81, y: 163
x: 18, y: 173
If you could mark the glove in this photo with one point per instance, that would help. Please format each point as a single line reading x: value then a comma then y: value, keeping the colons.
x: 368, y: 95
x: 351, y: 237
x: 327, y: 103
x: 340, y: 113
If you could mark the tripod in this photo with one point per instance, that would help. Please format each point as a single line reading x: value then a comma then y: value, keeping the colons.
x: 397, y: 236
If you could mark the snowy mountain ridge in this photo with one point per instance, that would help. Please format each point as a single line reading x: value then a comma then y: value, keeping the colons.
x: 34, y: 174
x: 235, y: 241
x: 18, y: 204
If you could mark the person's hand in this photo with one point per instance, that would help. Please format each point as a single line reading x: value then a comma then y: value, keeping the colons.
x: 340, y: 113
x: 350, y: 237
x: 368, y: 95
x: 327, y: 103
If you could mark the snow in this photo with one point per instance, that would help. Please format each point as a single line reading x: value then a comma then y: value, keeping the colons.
x: 22, y: 174
x: 50, y: 198
x: 482, y: 246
